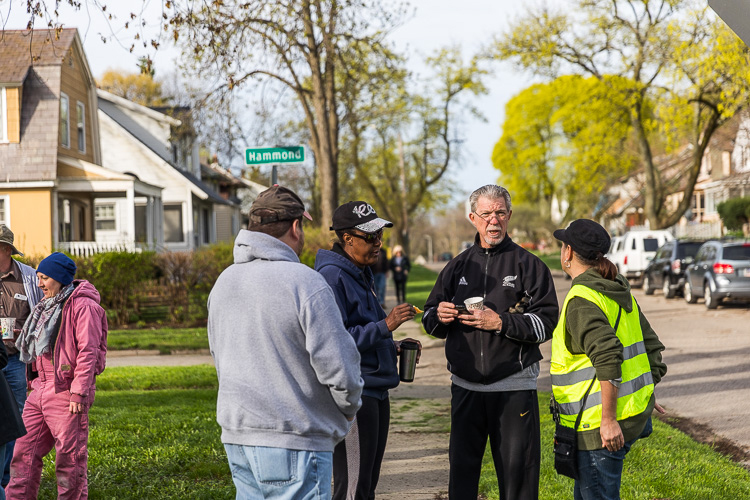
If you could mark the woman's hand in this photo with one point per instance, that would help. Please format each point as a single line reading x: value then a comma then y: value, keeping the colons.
x: 76, y: 407
x: 409, y: 339
x: 399, y: 315
x: 612, y: 437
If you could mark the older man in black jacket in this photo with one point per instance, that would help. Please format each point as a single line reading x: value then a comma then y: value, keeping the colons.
x: 493, y: 353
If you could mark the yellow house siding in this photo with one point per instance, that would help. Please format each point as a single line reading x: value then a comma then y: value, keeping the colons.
x: 13, y: 101
x: 31, y: 220
x: 75, y: 84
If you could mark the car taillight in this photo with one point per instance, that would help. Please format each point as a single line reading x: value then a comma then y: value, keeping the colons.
x: 676, y: 265
x: 722, y: 268
x: 625, y: 260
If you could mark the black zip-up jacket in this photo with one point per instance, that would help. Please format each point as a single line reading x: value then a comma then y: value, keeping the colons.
x: 503, y: 275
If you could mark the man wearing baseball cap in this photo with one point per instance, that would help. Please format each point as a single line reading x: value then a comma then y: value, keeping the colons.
x: 18, y: 296
x: 289, y: 379
x: 346, y: 267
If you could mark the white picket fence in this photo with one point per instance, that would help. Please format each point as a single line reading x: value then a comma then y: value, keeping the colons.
x: 88, y: 248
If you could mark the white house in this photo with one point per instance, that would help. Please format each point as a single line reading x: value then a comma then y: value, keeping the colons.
x: 138, y: 141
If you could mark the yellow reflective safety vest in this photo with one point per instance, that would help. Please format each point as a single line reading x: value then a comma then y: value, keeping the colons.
x: 572, y: 373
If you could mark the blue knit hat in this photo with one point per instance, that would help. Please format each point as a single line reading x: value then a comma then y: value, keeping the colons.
x: 59, y: 267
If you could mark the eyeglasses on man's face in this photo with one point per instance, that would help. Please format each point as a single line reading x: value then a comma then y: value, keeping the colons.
x: 487, y: 217
x: 369, y: 238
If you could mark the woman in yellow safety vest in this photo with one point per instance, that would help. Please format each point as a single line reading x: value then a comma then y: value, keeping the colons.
x: 620, y: 367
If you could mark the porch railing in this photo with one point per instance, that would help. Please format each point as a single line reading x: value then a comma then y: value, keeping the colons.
x: 88, y: 248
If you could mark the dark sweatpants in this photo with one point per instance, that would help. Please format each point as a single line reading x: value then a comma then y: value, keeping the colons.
x: 511, y: 420
x: 357, y: 459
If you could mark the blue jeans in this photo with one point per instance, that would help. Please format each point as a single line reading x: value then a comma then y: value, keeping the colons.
x: 15, y: 374
x: 278, y: 473
x: 600, y: 471
x: 380, y: 287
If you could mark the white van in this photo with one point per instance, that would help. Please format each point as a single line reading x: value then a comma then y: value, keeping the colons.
x: 632, y: 252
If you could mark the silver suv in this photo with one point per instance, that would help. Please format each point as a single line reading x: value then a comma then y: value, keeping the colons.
x: 721, y: 270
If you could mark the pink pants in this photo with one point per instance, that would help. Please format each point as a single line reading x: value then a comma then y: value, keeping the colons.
x: 49, y: 423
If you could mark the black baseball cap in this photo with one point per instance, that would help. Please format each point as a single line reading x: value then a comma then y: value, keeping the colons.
x: 277, y: 204
x: 358, y: 215
x: 587, y: 238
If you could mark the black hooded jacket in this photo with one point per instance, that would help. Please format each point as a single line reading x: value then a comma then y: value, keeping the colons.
x: 503, y: 275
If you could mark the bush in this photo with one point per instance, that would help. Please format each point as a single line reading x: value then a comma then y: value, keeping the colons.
x: 734, y: 212
x: 315, y: 239
x: 117, y: 276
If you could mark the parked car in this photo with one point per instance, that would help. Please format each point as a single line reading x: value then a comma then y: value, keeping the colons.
x: 636, y: 249
x: 721, y: 270
x: 667, y: 269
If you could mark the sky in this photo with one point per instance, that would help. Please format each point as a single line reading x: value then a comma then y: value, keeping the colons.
x: 436, y: 23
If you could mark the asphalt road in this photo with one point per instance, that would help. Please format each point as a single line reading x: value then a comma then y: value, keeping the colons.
x: 708, y: 360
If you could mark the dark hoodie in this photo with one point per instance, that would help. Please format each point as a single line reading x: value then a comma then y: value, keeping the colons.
x: 587, y: 331
x: 363, y: 317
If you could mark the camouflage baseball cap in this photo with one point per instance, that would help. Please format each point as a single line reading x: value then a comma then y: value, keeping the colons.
x: 6, y: 236
x: 277, y: 204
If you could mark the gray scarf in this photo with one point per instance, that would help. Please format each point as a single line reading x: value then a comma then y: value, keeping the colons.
x: 40, y: 331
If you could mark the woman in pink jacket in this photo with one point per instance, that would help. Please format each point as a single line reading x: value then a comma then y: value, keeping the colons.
x: 65, y: 341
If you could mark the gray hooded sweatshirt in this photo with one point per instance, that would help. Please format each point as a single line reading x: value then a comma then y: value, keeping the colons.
x: 288, y: 370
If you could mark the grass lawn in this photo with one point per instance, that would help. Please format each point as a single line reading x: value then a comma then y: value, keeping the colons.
x: 165, y: 340
x: 666, y: 465
x: 154, y: 435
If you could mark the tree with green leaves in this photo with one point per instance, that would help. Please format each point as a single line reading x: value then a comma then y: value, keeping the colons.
x: 680, y: 70
x: 401, y: 137
x: 564, y: 140
x: 299, y: 44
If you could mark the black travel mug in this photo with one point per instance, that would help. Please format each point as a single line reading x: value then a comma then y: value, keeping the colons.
x: 407, y: 365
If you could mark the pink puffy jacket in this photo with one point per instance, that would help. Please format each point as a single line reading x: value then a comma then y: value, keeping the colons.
x: 81, y: 347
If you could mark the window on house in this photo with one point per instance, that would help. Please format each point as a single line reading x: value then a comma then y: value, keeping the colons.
x: 173, y: 232
x: 3, y: 117
x: 206, y: 226
x: 4, y: 218
x: 81, y: 126
x: 104, y: 217
x: 64, y: 121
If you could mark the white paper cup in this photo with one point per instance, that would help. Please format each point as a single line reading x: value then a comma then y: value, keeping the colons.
x: 473, y: 303
x: 6, y: 327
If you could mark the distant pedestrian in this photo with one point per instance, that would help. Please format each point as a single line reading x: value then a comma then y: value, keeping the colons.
x: 18, y: 296
x: 346, y: 268
x: 400, y: 268
x: 604, y: 355
x: 380, y: 272
x: 289, y: 377
x: 65, y: 341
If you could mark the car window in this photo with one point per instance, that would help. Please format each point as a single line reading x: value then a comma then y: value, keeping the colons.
x: 711, y: 254
x: 737, y: 252
x: 688, y: 249
x: 650, y: 244
x: 701, y: 255
x: 620, y: 245
x: 632, y: 246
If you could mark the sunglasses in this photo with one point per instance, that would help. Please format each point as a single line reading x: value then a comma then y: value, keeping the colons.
x: 369, y: 238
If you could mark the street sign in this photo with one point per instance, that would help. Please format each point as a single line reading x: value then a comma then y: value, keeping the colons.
x: 263, y: 156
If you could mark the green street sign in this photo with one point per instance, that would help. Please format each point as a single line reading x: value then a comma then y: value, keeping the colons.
x: 261, y: 156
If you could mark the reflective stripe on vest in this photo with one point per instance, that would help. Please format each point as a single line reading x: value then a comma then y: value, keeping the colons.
x: 572, y: 373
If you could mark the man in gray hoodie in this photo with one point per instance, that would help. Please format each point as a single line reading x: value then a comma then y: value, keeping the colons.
x: 289, y: 376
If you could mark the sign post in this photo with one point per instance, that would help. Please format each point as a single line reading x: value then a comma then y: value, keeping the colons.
x: 274, y: 156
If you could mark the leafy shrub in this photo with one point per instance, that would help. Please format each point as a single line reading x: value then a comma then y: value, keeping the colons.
x: 117, y: 276
x: 734, y: 212
x: 315, y: 239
